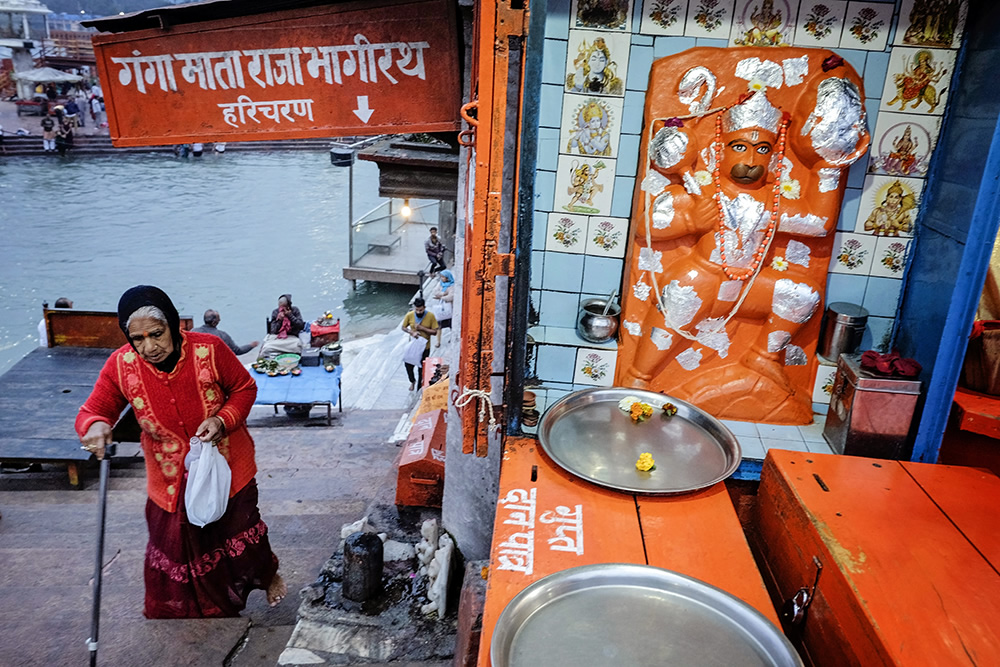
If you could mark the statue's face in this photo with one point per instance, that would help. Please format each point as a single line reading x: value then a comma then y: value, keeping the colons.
x: 598, y: 61
x: 746, y: 155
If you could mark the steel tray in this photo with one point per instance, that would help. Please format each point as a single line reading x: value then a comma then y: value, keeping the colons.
x: 635, y: 615
x: 588, y: 435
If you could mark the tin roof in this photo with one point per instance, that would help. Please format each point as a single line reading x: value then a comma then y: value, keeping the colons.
x: 195, y: 12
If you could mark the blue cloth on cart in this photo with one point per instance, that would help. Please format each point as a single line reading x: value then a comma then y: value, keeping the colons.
x: 314, y: 385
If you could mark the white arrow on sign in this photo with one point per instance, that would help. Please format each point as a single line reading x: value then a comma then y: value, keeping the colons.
x: 363, y: 112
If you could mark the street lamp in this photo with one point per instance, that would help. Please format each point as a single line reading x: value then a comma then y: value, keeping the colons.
x: 406, y: 211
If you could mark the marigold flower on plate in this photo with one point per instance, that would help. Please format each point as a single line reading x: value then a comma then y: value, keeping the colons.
x: 645, y: 462
x: 626, y: 403
x: 669, y: 409
x: 640, y: 411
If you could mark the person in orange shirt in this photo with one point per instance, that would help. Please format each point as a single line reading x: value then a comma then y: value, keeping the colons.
x: 182, y: 384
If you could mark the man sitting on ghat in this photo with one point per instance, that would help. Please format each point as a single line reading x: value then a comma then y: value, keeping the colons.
x: 212, y: 320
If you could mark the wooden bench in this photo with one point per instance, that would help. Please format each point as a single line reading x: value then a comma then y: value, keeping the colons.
x: 695, y: 534
x: 909, y: 552
x: 42, y: 393
x: 385, y: 242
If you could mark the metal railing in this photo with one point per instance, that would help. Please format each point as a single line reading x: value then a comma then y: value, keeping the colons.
x: 379, y: 227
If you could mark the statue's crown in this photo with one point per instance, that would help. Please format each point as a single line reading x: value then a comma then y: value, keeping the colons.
x: 755, y: 112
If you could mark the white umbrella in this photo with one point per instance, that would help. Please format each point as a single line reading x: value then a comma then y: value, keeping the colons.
x: 46, y: 75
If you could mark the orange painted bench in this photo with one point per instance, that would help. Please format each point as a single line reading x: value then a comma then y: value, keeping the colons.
x: 910, y: 556
x: 548, y: 520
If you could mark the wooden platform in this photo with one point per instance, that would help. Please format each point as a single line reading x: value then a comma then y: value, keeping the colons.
x: 695, y: 534
x: 39, y: 398
x: 910, y: 557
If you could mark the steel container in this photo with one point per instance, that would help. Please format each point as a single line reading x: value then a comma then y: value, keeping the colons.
x: 593, y: 325
x: 843, y: 326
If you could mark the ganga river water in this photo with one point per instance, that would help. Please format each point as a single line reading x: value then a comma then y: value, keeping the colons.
x: 229, y: 231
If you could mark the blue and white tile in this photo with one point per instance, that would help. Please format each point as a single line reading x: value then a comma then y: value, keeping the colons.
x: 813, y: 432
x: 882, y: 296
x: 581, y: 135
x: 550, y: 100
x: 563, y: 272
x: 668, y: 46
x: 621, y: 205
x: 548, y: 149
x: 846, y: 287
x: 595, y: 367
x: 875, y: 70
x: 820, y: 23
x: 584, y: 185
x: 566, y: 233
x: 663, y: 17
x: 740, y: 35
x: 751, y: 447
x: 558, y: 309
x: 778, y: 432
x: 891, y: 254
x: 901, y: 64
x: 557, y: 19
x: 581, y: 19
x: 867, y: 25
x: 607, y: 236
x: 601, y: 275
x: 632, y: 112
x: 852, y: 253
x: 819, y: 447
x: 710, y: 23
x: 545, y: 187
x: 552, y: 64
x: 537, y: 268
x: 823, y: 384
x: 640, y: 61
x: 740, y: 429
x: 555, y: 363
x: 878, y: 334
x: 791, y: 445
x: 539, y: 230
x: 875, y: 209
x: 628, y: 155
x: 580, y: 76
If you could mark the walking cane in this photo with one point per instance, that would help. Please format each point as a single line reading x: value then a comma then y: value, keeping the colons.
x: 95, y: 618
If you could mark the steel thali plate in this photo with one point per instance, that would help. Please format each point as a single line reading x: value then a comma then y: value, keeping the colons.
x: 635, y: 615
x: 587, y: 434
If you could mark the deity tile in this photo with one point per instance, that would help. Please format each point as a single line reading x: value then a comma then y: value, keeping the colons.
x: 710, y: 18
x: 889, y: 206
x: 607, y: 237
x: 596, y: 63
x: 591, y: 125
x: 584, y: 185
x: 917, y: 81
x: 934, y: 23
x: 566, y: 233
x: 823, y: 386
x: 902, y: 144
x: 595, y: 367
x: 866, y: 26
x: 820, y: 23
x: 663, y: 17
x: 890, y: 257
x: 763, y: 23
x: 852, y: 253
x: 602, y: 15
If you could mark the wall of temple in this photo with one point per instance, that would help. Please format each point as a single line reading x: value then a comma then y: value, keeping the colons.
x: 589, y: 150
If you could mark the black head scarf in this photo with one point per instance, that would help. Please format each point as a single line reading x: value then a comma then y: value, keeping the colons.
x: 146, y: 295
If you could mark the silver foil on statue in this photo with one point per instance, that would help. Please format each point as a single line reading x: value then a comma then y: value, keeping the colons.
x: 654, y: 182
x: 780, y: 168
x: 716, y: 256
x: 689, y: 89
x: 767, y: 72
x: 729, y: 290
x: 633, y: 328
x: 649, y: 260
x: 663, y: 210
x: 837, y: 122
x: 802, y: 225
x: 689, y: 359
x: 792, y: 301
x: 712, y: 334
x: 691, y: 183
x: 708, y: 158
x: 681, y: 304
x: 829, y: 178
x: 755, y: 112
x: 797, y: 253
x: 661, y: 338
x: 641, y: 290
x: 667, y: 147
x: 795, y: 356
x: 795, y: 70
x: 745, y: 221
x: 777, y: 340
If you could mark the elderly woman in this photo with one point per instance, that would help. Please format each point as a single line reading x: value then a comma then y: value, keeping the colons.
x: 182, y: 384
x: 284, y: 327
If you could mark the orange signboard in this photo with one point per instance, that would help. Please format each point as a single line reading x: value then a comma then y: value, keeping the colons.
x: 359, y: 68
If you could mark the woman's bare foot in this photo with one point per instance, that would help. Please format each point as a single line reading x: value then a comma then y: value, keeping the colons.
x: 276, y: 591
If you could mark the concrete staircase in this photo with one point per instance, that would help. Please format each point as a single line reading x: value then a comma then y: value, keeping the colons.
x: 14, y: 146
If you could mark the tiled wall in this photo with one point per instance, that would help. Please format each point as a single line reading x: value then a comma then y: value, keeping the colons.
x: 590, y: 129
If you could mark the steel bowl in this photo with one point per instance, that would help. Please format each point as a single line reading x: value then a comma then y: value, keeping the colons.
x: 593, y: 325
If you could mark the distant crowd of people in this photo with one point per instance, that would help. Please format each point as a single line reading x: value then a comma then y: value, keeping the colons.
x: 60, y: 120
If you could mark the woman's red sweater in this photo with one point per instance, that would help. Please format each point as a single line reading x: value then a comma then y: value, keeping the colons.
x: 208, y: 380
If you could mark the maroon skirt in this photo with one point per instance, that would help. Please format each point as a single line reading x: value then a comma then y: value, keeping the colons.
x: 207, y: 572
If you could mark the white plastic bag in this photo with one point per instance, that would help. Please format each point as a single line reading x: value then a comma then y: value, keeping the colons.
x: 208, y: 483
x: 414, y: 352
x: 441, y: 310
